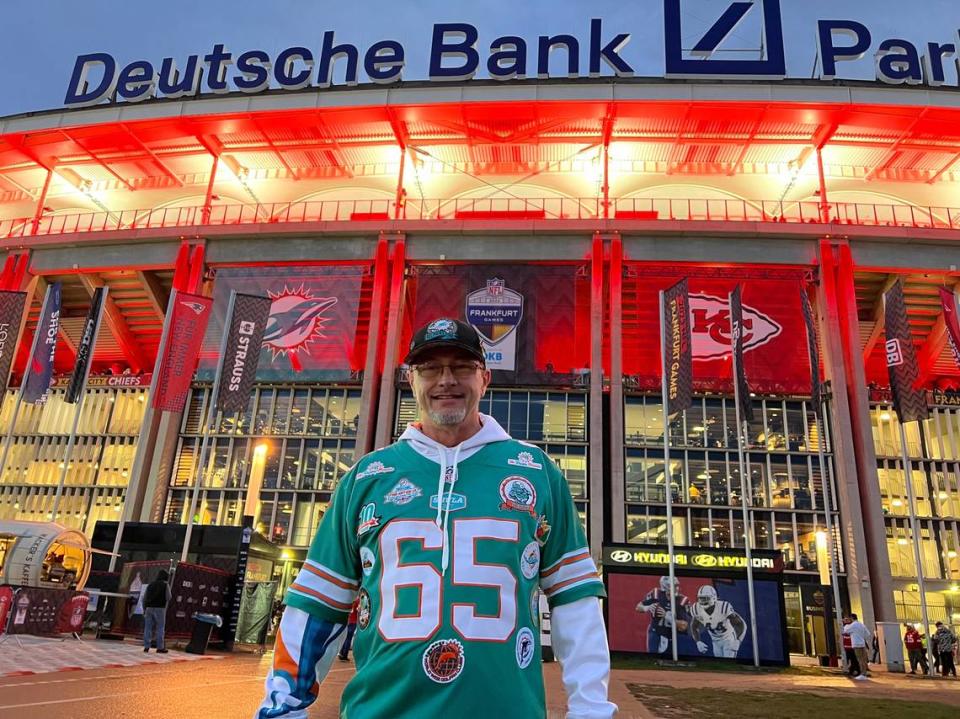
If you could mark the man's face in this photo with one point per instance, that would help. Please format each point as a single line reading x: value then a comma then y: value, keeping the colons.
x: 448, y: 385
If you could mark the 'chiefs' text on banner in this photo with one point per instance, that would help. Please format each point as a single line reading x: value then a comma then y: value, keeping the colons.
x: 677, y: 347
x: 246, y: 324
x: 188, y: 324
x: 85, y: 349
x: 40, y: 366
x: 909, y: 401
x: 11, y: 314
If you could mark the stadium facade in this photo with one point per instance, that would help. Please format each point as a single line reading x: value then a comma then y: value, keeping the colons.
x: 365, y: 211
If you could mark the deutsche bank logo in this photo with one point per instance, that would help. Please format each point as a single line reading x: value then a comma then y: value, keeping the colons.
x: 699, y: 61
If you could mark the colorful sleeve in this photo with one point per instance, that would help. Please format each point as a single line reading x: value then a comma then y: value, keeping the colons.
x: 329, y: 580
x: 567, y: 571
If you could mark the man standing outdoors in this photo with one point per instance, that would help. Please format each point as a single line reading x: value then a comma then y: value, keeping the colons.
x: 155, y: 601
x: 914, y: 644
x: 445, y: 538
x: 943, y: 643
x: 859, y: 636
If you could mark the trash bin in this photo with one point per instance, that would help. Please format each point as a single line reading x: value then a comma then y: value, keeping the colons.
x: 203, y: 625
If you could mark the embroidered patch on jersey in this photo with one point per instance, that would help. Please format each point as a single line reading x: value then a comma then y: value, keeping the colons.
x: 518, y: 494
x: 524, y: 648
x: 535, y: 606
x: 403, y: 492
x: 443, y: 660
x: 525, y: 459
x: 530, y: 560
x: 543, y: 529
x: 368, y: 518
x: 363, y: 609
x: 451, y: 502
x: 374, y: 468
x: 367, y: 560
x: 446, y: 329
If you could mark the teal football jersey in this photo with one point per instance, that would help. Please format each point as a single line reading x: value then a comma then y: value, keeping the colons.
x: 430, y: 642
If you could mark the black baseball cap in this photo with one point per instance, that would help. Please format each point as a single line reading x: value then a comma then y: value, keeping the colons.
x: 445, y: 333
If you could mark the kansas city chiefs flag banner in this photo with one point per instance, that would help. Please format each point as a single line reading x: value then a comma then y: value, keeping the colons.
x: 949, y: 301
x: 677, y: 347
x: 246, y: 322
x: 736, y: 333
x: 181, y: 350
x: 909, y: 401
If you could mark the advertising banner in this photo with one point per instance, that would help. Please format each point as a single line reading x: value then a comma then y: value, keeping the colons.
x: 11, y: 315
x: 737, y: 333
x: 40, y: 365
x: 72, y: 613
x: 678, y: 347
x: 909, y: 401
x: 248, y: 320
x: 312, y: 329
x: 256, y: 611
x: 191, y: 313
x: 948, y: 301
x: 774, y: 354
x: 713, y: 617
x: 38, y: 611
x: 6, y: 603
x: 85, y: 348
x: 540, y: 335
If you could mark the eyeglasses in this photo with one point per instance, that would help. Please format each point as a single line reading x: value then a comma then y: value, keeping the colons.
x: 433, y: 370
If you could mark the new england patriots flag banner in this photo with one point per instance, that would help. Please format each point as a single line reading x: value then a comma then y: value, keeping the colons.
x: 36, y: 383
x: 909, y: 402
x: 677, y: 348
x: 181, y: 351
x: 736, y: 339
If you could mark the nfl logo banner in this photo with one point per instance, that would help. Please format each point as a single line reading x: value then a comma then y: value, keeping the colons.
x: 246, y: 323
x: 815, y: 388
x: 677, y: 347
x: 40, y: 367
x: 909, y: 402
x: 736, y: 332
x: 11, y: 315
x: 949, y: 301
x: 188, y: 323
x: 495, y: 313
x: 85, y: 349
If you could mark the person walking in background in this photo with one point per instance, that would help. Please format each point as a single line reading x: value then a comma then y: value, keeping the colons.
x: 943, y: 643
x: 344, y: 652
x: 853, y: 666
x: 915, y: 650
x: 859, y: 636
x: 875, y: 659
x: 155, y: 602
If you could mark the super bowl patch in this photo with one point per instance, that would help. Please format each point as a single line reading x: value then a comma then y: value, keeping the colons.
x: 443, y: 660
x: 519, y: 495
x: 525, y: 459
x: 367, y: 560
x: 403, y: 492
x: 368, y: 519
x: 524, y: 648
x: 363, y: 609
x: 372, y: 469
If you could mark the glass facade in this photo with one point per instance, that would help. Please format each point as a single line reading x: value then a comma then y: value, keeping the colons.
x: 785, y: 479
x: 933, y: 449
x: 99, y: 465
x: 310, y: 434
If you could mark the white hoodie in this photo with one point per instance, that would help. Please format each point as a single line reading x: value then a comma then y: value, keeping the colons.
x: 577, y: 629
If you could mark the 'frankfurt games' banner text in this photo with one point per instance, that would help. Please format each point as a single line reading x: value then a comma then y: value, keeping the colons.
x: 949, y: 301
x: 85, y: 349
x: 678, y: 347
x: 495, y: 313
x: 184, y: 339
x: 909, y: 402
x: 11, y: 314
x: 40, y: 366
x: 815, y: 389
x: 246, y: 323
x: 736, y: 331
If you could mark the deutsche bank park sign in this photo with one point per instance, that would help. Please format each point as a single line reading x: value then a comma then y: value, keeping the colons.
x: 456, y: 54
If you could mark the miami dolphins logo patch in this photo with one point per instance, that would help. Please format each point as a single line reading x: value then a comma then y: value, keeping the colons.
x: 518, y: 495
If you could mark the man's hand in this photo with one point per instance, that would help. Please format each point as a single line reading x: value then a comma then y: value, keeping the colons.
x: 659, y: 612
x: 702, y: 647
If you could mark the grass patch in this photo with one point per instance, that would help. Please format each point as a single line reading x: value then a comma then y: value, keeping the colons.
x: 631, y: 661
x: 671, y: 703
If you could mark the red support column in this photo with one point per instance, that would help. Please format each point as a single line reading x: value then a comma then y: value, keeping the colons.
x: 375, y: 345
x: 595, y: 430
x: 824, y: 201
x: 391, y: 353
x: 618, y: 523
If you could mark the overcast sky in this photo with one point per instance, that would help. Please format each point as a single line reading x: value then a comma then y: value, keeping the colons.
x: 42, y: 38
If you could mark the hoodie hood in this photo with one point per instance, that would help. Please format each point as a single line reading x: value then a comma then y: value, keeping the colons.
x: 448, y: 460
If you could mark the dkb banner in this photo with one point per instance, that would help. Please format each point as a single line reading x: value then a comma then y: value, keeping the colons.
x: 543, y: 331
x: 312, y: 328
x: 40, y: 365
x: 248, y: 320
x: 11, y: 314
